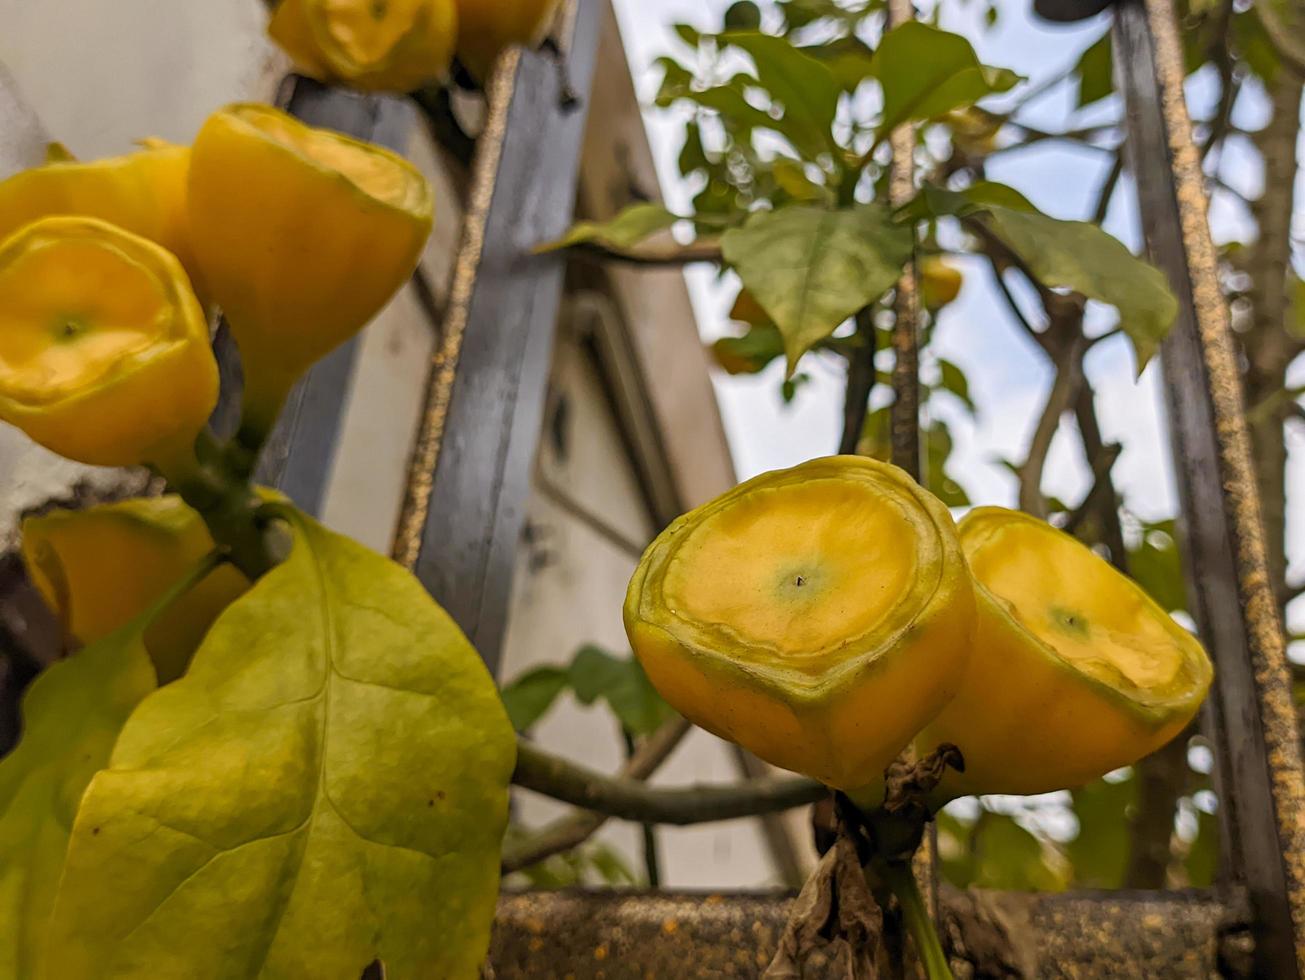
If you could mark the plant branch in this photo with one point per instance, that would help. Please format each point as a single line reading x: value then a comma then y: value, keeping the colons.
x: 631, y: 799
x: 860, y: 381
x: 1064, y: 392
x: 654, y: 255
x: 1102, y: 493
x: 1108, y: 186
x: 573, y: 830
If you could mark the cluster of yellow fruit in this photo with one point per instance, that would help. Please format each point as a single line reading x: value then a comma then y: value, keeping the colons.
x: 299, y: 235
x: 828, y: 616
x: 404, y: 45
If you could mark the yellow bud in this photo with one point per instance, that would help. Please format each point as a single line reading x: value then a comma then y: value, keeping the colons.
x: 307, y: 235
x: 486, y: 27
x: 100, y: 568
x: 104, y: 350
x: 940, y: 283
x: 373, y: 45
x: 142, y: 192
x: 817, y: 616
x: 1076, y: 671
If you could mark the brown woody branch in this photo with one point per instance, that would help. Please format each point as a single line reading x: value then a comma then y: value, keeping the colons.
x: 633, y: 799
x: 573, y: 830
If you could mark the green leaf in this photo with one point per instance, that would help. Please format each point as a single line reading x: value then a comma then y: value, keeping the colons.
x: 1296, y: 317
x: 632, y: 226
x: 811, y: 269
x: 1096, y: 71
x: 1101, y: 851
x: 72, y: 715
x: 621, y: 682
x: 688, y: 34
x: 953, y: 380
x: 847, y: 57
x: 789, y: 388
x: 326, y: 787
x: 932, y: 201
x: 803, y: 86
x: 792, y: 178
x: 693, y: 157
x: 926, y: 72
x: 1079, y: 255
x: 529, y: 697
x: 937, y: 439
x: 1009, y: 858
x: 743, y: 16
x: 751, y: 353
x: 1157, y: 566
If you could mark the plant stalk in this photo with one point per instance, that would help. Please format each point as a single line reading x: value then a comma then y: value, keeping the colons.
x: 915, y: 913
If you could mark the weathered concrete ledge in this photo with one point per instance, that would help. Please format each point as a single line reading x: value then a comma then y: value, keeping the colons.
x: 591, y: 935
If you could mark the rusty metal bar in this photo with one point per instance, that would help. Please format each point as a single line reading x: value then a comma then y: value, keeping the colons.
x: 1250, y: 713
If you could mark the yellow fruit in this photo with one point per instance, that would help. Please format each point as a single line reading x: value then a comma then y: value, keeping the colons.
x: 142, y: 192
x: 373, y: 45
x: 1076, y: 671
x: 100, y: 568
x: 818, y: 616
x: 104, y: 350
x: 940, y: 283
x: 307, y: 235
x: 486, y: 27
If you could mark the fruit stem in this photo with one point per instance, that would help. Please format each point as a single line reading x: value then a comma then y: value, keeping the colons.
x: 901, y: 880
x: 230, y: 508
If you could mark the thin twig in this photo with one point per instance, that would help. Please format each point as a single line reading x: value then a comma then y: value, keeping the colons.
x: 1064, y: 391
x: 1107, y: 192
x: 860, y: 381
x: 1102, y: 486
x: 632, y: 799
x: 999, y: 275
x: 576, y: 828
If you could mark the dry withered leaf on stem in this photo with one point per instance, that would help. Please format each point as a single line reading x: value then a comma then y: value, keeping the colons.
x: 835, y: 913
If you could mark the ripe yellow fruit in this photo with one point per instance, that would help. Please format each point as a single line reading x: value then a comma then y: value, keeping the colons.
x: 818, y: 616
x: 307, y: 235
x: 1076, y: 671
x: 486, y: 27
x: 143, y: 192
x: 104, y: 350
x: 100, y: 568
x: 372, y: 45
x: 940, y: 283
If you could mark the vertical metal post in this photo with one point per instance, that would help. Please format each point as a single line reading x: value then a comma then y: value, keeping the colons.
x: 1253, y: 721
x: 470, y: 473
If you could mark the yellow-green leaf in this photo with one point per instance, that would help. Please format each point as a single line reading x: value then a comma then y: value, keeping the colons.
x: 326, y: 787
x: 72, y: 715
x: 627, y: 229
x: 810, y: 269
x: 926, y: 72
x: 1079, y: 255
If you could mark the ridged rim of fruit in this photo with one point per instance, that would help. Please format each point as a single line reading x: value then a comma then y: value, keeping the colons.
x: 418, y: 207
x: 981, y: 523
x: 187, y: 324
x: 930, y: 596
